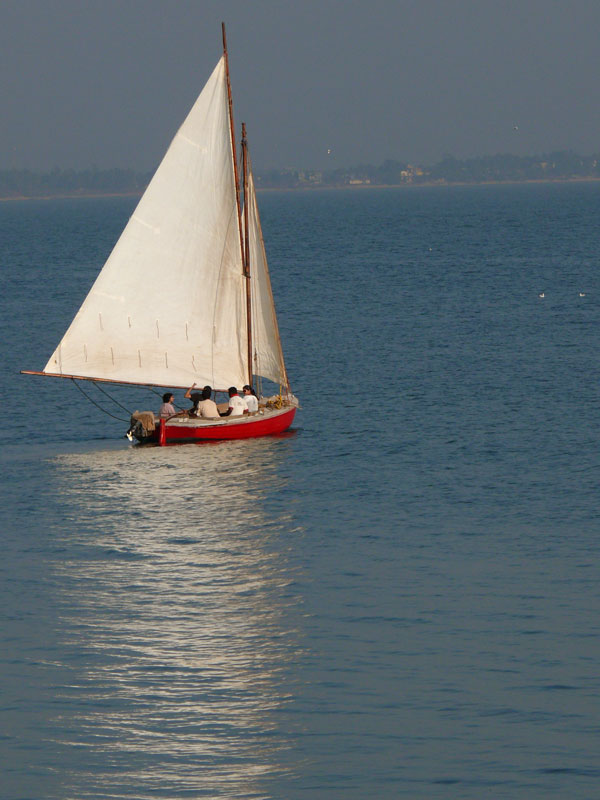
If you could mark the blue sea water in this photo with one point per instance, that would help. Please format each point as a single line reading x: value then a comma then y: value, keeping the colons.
x: 400, y: 598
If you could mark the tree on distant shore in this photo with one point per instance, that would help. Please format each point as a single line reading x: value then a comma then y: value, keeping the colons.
x: 559, y: 165
x: 28, y: 183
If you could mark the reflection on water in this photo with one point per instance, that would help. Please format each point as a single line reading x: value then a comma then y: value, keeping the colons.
x: 178, y: 616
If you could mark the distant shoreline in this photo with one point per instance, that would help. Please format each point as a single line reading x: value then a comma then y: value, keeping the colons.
x: 321, y: 188
x: 427, y: 184
x: 72, y: 196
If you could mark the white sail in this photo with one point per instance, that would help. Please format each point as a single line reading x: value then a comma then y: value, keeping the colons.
x: 169, y: 307
x: 266, y: 344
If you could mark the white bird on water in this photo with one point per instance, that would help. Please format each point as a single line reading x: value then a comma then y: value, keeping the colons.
x: 581, y: 294
x: 542, y: 294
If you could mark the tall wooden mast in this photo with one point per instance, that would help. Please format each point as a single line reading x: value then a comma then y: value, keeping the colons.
x: 244, y: 244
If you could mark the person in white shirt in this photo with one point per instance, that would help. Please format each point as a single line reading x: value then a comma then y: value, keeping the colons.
x: 250, y: 399
x: 237, y: 407
x: 203, y: 405
x: 207, y: 408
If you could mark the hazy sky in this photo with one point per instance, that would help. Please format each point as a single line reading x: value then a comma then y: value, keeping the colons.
x: 108, y: 82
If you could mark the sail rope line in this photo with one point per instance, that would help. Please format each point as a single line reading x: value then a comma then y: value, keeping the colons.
x: 110, y: 397
x: 216, y: 297
x: 256, y: 376
x: 255, y: 380
x: 97, y: 404
x: 160, y: 394
x: 255, y: 372
x: 256, y: 331
x: 256, y: 343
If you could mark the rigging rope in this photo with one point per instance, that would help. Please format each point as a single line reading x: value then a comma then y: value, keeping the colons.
x: 96, y: 404
x: 110, y: 397
x: 160, y: 394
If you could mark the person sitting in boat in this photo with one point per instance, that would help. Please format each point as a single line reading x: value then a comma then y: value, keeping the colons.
x: 167, y: 409
x: 250, y: 399
x: 196, y: 398
x: 207, y: 408
x: 237, y: 407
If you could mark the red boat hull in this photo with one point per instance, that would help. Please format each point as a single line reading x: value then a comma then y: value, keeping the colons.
x: 178, y: 432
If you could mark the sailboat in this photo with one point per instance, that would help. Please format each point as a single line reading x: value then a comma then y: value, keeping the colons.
x: 185, y: 296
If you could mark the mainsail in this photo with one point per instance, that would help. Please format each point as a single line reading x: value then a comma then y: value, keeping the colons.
x: 168, y: 307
